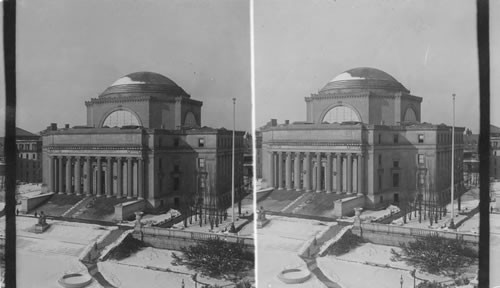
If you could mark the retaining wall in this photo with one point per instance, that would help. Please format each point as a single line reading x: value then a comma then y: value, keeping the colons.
x: 125, y: 210
x: 165, y: 238
x: 394, y: 235
x: 31, y: 202
x: 343, y: 207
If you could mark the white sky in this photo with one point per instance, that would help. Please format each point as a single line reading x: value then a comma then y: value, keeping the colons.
x: 429, y: 46
x: 69, y: 52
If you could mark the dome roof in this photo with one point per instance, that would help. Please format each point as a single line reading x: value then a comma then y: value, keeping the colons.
x: 364, y: 78
x: 144, y: 82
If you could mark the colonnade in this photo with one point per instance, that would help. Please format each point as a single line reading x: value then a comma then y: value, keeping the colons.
x: 318, y: 171
x: 97, y: 175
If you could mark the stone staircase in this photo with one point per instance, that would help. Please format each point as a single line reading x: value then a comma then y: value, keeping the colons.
x: 70, y: 213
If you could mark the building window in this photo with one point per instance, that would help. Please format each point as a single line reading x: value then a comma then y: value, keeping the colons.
x: 395, y: 163
x: 420, y: 138
x: 421, y: 159
x: 160, y: 164
x: 379, y: 181
x: 201, y: 142
x: 176, y: 183
x: 176, y: 142
x: 395, y: 180
x: 34, y: 156
x: 396, y: 139
x: 176, y: 168
x: 379, y: 138
x: 201, y: 163
x: 381, y: 199
x: 380, y: 159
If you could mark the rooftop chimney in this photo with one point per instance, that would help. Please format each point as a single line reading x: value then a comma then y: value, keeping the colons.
x: 274, y: 122
x: 287, y: 122
x: 66, y: 126
x: 53, y: 126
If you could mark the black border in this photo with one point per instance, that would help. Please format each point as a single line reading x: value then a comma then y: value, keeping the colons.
x: 483, y: 42
x: 9, y: 41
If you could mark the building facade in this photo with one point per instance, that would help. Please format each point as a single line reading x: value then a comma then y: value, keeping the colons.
x: 495, y: 152
x: 363, y: 137
x: 144, y: 140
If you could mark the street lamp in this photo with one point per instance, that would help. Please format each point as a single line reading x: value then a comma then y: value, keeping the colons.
x: 233, y: 229
x: 452, y: 224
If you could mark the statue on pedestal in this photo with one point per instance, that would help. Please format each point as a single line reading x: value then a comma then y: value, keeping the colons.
x: 261, y: 218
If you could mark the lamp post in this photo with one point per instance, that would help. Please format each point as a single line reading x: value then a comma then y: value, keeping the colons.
x: 452, y: 224
x: 233, y: 229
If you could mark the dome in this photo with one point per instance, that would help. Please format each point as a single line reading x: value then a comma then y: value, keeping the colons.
x: 364, y: 78
x: 144, y: 82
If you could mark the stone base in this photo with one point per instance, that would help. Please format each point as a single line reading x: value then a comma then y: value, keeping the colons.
x: 262, y: 223
x: 40, y: 228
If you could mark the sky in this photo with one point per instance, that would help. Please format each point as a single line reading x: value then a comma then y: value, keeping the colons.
x: 70, y: 51
x: 429, y: 46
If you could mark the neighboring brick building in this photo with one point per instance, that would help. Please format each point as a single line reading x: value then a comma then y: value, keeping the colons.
x: 363, y: 137
x: 144, y: 140
x: 495, y: 152
x: 471, y: 159
x: 29, y: 152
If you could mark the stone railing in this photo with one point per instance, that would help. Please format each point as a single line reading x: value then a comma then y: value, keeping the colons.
x: 166, y: 238
x: 394, y: 235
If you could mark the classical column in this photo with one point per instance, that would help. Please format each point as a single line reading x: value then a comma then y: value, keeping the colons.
x: 60, y: 176
x: 297, y: 171
x: 272, y: 171
x: 129, y: 178
x: 318, y: 172
x: 339, y: 173
x: 51, y: 174
x: 361, y: 164
x: 140, y: 179
x: 307, y: 175
x: 280, y: 170
x: 119, y: 179
x: 328, y: 173
x: 78, y: 175
x: 88, y: 170
x: 99, y: 178
x: 349, y: 173
x: 288, y: 171
x: 109, y: 177
x: 68, y: 175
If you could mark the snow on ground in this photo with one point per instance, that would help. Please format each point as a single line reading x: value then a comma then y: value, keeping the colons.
x: 64, y: 232
x: 494, y: 249
x: 44, y: 258
x: 246, y: 210
x: 138, y: 270
x: 125, y: 276
x: 278, y: 244
x: 44, y: 270
x: 380, y: 214
x: 29, y: 189
x: 470, y: 200
x: 149, y: 219
x: 346, y: 269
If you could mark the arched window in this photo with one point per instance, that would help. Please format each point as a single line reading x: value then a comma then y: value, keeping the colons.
x: 121, y: 118
x: 410, y: 115
x: 341, y: 114
x: 190, y: 120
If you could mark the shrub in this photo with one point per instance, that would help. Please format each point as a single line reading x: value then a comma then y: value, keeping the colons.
x: 435, y: 254
x: 347, y: 242
x: 129, y: 246
x: 215, y: 258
